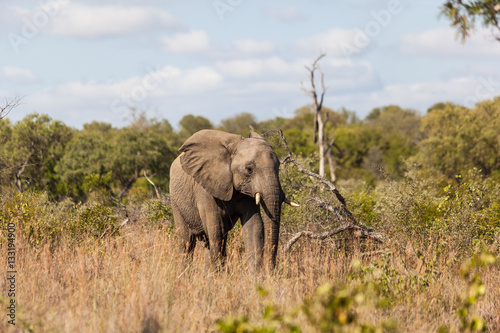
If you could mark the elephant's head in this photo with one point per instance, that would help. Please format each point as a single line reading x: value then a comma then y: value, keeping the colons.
x: 224, y: 163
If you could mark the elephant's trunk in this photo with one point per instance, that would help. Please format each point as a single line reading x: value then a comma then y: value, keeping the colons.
x: 271, y: 205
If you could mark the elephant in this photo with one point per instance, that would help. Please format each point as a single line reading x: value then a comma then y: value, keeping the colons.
x: 219, y: 178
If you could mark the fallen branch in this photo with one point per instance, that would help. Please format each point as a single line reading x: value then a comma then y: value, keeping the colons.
x: 343, y: 214
x: 312, y: 235
x: 365, y: 232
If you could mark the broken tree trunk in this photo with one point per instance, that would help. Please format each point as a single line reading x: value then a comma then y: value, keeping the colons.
x: 319, y: 122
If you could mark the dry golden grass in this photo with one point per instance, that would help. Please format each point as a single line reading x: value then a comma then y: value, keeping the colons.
x: 137, y: 282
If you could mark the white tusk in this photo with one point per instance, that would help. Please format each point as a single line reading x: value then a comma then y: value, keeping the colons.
x: 291, y: 203
x: 257, y: 198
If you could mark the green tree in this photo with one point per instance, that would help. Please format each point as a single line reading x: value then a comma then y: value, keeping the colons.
x: 355, y: 141
x: 140, y: 149
x: 396, y: 135
x: 191, y: 124
x: 460, y: 139
x: 30, y: 151
x: 86, y: 154
x: 463, y: 15
x: 239, y: 124
x: 115, y: 159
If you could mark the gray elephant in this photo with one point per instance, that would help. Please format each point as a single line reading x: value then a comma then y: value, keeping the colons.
x: 220, y: 178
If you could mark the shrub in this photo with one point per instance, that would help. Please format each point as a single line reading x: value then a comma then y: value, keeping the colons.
x: 156, y: 212
x: 94, y: 220
x: 41, y: 221
x: 329, y: 309
x: 34, y: 218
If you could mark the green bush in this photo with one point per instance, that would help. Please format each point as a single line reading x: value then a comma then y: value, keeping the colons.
x: 94, y: 220
x: 329, y: 309
x: 156, y: 212
x: 41, y: 221
x: 460, y: 216
x: 34, y: 216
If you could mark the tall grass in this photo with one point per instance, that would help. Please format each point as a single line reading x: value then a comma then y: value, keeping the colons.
x: 137, y: 282
x: 79, y: 272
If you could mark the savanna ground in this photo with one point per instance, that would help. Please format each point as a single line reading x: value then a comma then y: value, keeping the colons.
x: 437, y: 272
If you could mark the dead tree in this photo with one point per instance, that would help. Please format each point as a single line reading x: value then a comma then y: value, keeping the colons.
x: 319, y: 121
x: 342, y: 213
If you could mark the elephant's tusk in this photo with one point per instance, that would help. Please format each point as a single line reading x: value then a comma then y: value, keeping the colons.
x: 257, y: 198
x: 291, y: 203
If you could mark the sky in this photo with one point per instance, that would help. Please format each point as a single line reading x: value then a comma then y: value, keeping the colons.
x: 83, y: 61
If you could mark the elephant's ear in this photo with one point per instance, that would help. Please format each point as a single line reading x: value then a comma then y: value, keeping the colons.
x: 207, y: 158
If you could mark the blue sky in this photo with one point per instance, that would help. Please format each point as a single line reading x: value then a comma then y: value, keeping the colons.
x: 80, y: 61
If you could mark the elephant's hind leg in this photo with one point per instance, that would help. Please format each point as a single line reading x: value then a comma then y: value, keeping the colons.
x: 186, y: 238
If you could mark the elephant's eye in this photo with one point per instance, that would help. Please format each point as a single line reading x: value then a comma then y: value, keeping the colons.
x: 249, y: 169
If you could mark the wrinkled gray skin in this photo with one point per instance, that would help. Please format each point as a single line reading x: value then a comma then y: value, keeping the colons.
x: 213, y: 183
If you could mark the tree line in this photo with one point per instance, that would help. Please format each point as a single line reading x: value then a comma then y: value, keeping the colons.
x: 44, y: 154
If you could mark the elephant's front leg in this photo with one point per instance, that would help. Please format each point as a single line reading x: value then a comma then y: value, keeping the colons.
x: 216, y: 239
x: 253, y: 235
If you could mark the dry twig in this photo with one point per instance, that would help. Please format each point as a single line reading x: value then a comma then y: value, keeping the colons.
x: 9, y: 105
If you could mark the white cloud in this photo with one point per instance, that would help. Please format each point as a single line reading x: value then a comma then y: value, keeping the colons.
x: 199, y: 80
x: 78, y: 102
x: 336, y: 42
x: 166, y: 81
x: 442, y: 42
x: 462, y: 90
x: 9, y: 15
x: 77, y: 19
x: 258, y: 67
x: 341, y: 75
x: 348, y: 77
x: 252, y: 46
x: 193, y: 41
x: 18, y: 75
x: 289, y: 13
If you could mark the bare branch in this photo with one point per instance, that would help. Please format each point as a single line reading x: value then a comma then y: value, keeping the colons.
x: 323, y: 89
x: 330, y: 148
x: 156, y: 189
x: 307, y: 92
x: 312, y: 235
x: 9, y: 105
x: 321, y: 56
